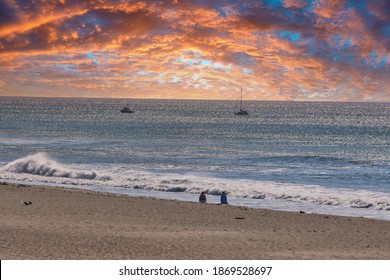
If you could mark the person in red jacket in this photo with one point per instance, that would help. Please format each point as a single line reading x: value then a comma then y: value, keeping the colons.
x: 202, y: 198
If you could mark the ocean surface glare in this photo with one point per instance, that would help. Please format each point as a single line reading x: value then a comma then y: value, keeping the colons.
x: 297, y: 156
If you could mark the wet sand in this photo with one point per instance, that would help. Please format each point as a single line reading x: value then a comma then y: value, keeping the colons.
x: 76, y: 224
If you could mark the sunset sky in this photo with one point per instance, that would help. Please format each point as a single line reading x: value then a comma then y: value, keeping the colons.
x: 325, y: 50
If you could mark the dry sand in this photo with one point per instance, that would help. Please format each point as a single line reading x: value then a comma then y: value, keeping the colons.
x: 75, y: 224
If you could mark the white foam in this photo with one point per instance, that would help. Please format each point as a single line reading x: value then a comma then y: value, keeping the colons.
x: 41, y: 169
x: 42, y: 164
x: 13, y: 141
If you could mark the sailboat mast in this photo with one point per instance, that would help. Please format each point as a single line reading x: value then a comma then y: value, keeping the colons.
x: 241, y: 100
x: 241, y: 112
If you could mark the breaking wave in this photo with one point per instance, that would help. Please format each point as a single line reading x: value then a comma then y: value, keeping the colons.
x: 41, y: 168
x: 41, y: 164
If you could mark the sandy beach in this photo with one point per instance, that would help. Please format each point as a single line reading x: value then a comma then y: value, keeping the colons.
x: 75, y: 224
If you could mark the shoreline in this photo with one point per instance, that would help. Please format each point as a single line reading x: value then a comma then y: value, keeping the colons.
x: 287, y: 206
x: 64, y: 223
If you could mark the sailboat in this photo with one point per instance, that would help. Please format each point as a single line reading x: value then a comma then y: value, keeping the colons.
x: 126, y: 109
x: 241, y: 111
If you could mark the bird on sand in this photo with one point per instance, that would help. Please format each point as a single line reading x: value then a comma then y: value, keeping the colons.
x: 26, y: 202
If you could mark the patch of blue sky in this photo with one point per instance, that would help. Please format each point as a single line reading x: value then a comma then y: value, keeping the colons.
x: 247, y: 71
x: 362, y: 5
x: 92, y: 57
x: 312, y: 48
x: 347, y: 44
x: 160, y: 78
x: 144, y: 73
x: 387, y: 31
x: 175, y: 80
x: 220, y: 66
x: 205, y: 62
x: 187, y: 61
x: 342, y: 57
x: 290, y: 16
x: 202, y: 2
x: 204, y: 84
x: 311, y: 5
x: 373, y: 56
x: 383, y: 61
x: 337, y: 40
x: 273, y: 4
x: 243, y: 7
x: 336, y: 58
x: 374, y: 60
x: 66, y: 67
x: 292, y: 36
x: 89, y: 25
x: 94, y: 19
x: 221, y: 10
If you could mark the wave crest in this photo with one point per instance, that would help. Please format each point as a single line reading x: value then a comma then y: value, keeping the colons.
x: 41, y: 164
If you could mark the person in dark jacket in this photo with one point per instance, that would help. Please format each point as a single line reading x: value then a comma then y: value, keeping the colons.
x: 202, y: 198
x: 224, y: 198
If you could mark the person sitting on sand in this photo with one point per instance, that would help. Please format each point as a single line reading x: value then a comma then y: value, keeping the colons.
x: 202, y: 198
x: 224, y: 198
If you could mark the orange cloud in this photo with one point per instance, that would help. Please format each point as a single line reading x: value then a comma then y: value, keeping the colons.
x: 294, y: 3
x: 183, y: 49
x: 329, y: 8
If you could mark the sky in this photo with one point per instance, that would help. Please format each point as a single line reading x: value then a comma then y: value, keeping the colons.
x: 293, y: 50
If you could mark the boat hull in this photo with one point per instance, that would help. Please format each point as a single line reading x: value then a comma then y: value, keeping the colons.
x: 241, y: 113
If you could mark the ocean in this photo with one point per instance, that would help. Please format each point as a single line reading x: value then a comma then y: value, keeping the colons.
x: 328, y: 158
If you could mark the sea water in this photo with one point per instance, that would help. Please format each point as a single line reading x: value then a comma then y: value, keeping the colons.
x: 331, y: 158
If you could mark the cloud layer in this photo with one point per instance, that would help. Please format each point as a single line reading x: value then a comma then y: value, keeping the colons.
x: 334, y: 50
